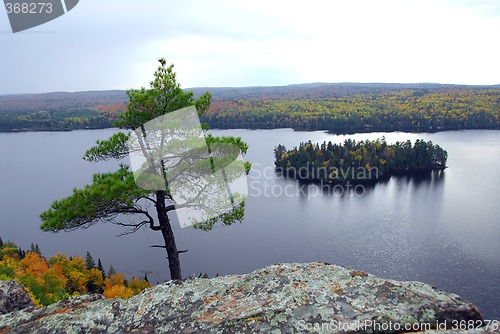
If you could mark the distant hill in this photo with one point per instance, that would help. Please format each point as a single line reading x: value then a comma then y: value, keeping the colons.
x: 242, y: 107
x: 323, y: 90
x: 60, y: 100
x: 89, y: 99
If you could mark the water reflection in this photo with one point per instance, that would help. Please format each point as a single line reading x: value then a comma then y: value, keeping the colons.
x: 419, y: 179
x: 313, y: 188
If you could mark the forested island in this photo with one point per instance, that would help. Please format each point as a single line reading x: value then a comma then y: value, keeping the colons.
x: 358, y: 161
x: 338, y: 108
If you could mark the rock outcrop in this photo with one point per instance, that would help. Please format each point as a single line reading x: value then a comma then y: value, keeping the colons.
x: 13, y: 297
x: 283, y: 298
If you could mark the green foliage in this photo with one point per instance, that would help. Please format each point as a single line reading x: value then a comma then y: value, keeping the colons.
x: 227, y: 140
x: 89, y: 261
x: 101, y: 268
x: 7, y: 270
x: 35, y: 249
x: 9, y: 249
x: 115, y: 193
x: 59, y: 120
x: 111, y: 271
x: 164, y: 96
x: 110, y: 194
x: 360, y: 160
x: 113, y: 148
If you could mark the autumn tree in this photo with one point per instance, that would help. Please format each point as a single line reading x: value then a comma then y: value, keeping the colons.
x: 60, y: 277
x: 95, y: 281
x: 113, y: 196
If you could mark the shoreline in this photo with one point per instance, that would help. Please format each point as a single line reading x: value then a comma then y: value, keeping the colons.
x: 358, y: 181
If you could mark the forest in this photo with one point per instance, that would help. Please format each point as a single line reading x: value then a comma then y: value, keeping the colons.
x: 54, y: 120
x: 358, y: 161
x: 60, y: 111
x: 400, y: 110
x: 48, y: 281
x: 338, y: 108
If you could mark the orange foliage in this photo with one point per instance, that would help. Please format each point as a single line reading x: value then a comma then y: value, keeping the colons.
x: 114, y: 286
x: 50, y: 281
x: 33, y: 264
x: 118, y: 291
x: 111, y: 108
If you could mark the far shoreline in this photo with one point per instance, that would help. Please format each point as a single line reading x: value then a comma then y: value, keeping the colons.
x: 342, y: 133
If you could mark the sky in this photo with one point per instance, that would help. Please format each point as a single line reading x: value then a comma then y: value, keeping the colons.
x: 115, y: 44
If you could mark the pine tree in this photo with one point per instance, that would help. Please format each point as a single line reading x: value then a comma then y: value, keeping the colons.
x: 115, y: 193
x: 111, y: 271
x: 101, y: 268
x: 89, y: 261
x: 146, y: 277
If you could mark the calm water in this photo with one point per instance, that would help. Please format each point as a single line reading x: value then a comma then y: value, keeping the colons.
x: 439, y: 229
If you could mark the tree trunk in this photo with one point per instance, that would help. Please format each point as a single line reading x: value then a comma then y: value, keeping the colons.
x: 168, y: 236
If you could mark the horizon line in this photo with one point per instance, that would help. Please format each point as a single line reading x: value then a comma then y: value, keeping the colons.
x: 319, y: 83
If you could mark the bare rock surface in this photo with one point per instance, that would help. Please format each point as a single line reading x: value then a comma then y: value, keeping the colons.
x: 13, y: 297
x: 282, y: 298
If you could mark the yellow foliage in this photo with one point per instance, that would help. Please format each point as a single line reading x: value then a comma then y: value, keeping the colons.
x: 115, y: 279
x: 114, y: 286
x: 77, y: 281
x: 33, y: 298
x: 50, y: 281
x: 138, y: 285
x: 53, y: 279
x: 9, y: 264
x: 8, y: 250
x: 117, y: 291
x: 95, y: 277
x: 60, y: 259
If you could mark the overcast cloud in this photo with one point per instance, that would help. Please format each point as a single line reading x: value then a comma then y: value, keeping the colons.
x: 114, y: 44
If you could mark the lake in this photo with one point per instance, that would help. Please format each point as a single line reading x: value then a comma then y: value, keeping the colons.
x: 438, y: 228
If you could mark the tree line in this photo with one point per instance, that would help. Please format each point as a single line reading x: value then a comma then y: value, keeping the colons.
x: 50, y: 280
x: 336, y: 108
x: 414, y: 110
x: 56, y: 120
x: 358, y: 160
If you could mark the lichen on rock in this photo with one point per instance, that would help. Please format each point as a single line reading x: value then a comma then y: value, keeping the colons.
x: 282, y: 298
x: 13, y: 297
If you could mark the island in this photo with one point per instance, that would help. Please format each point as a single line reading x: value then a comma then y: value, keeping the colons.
x: 358, y: 161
